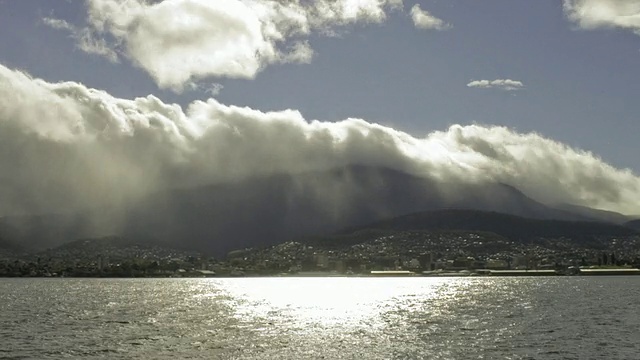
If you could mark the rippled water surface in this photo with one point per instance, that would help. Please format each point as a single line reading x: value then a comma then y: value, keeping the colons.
x: 316, y: 318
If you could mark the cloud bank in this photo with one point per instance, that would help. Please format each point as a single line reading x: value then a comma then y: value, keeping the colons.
x: 422, y: 19
x: 593, y: 14
x: 66, y: 146
x: 180, y: 41
x: 500, y: 84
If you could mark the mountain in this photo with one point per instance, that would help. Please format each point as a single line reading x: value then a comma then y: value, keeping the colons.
x: 108, y: 242
x: 265, y: 211
x: 50, y: 230
x: 509, y: 226
x: 270, y: 209
x: 595, y: 214
x: 634, y: 224
x: 8, y: 246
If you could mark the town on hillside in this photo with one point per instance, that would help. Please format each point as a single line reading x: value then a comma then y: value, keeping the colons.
x: 432, y: 253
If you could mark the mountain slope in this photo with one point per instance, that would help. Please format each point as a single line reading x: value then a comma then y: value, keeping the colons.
x: 270, y: 209
x: 265, y: 211
x: 634, y: 224
x: 506, y: 225
x: 595, y: 214
x: 8, y: 246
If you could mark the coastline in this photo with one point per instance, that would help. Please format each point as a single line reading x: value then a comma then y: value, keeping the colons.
x: 378, y: 274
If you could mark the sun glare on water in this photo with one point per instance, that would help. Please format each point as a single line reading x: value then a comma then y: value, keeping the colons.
x: 335, y: 302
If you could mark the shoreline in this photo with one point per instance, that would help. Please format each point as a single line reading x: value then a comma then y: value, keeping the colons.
x: 325, y: 275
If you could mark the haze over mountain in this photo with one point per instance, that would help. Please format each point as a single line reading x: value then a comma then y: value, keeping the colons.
x: 184, y: 164
x: 227, y: 177
x: 219, y: 177
x: 266, y: 210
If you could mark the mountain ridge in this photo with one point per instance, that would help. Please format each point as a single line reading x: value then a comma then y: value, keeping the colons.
x: 602, y: 215
x: 274, y: 208
x: 507, y: 225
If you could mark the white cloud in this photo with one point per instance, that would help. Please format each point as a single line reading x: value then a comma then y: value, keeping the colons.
x: 85, y: 39
x: 181, y: 41
x: 214, y: 89
x: 424, y: 20
x: 88, y: 43
x: 65, y: 146
x: 58, y: 24
x: 592, y: 14
x: 501, y: 84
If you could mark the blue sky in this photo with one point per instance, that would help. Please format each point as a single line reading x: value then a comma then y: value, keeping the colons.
x: 577, y: 63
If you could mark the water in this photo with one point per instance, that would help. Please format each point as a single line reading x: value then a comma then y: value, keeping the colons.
x: 321, y: 318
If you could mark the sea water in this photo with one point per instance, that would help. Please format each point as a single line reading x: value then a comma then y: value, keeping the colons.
x: 321, y: 318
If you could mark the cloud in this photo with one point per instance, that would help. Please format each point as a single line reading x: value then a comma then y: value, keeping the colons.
x: 181, y: 41
x: 214, y: 89
x: 66, y: 146
x: 593, y: 14
x: 501, y: 84
x: 424, y: 20
x: 85, y: 39
x: 58, y: 24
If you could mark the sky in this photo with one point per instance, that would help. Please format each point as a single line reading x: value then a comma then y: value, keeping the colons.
x: 564, y: 75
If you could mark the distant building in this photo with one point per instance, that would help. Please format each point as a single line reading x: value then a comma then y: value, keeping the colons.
x: 497, y: 264
x: 204, y: 273
x: 461, y: 263
x: 426, y: 261
x: 616, y: 271
x: 521, y: 262
x: 322, y: 260
x: 413, y: 264
x: 339, y: 266
x: 102, y: 262
x: 523, y: 272
x: 393, y: 273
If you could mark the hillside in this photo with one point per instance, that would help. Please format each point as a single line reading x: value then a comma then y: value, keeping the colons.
x: 595, y: 214
x: 634, y: 224
x: 509, y: 226
x: 113, y: 247
x: 267, y: 210
x: 108, y: 242
x: 8, y: 246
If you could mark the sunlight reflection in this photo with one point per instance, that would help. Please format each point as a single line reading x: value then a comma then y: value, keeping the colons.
x: 348, y: 302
